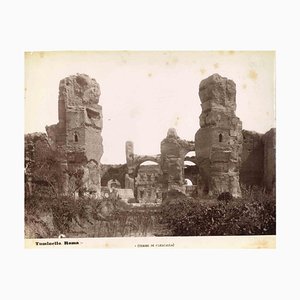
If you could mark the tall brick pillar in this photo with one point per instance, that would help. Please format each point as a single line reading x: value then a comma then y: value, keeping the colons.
x: 78, y: 132
x: 218, y: 143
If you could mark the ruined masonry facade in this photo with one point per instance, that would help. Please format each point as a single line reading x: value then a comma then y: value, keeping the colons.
x: 226, y: 155
x: 78, y: 132
x: 173, y: 151
x: 218, y: 142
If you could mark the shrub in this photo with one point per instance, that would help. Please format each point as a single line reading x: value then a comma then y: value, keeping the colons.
x: 225, y: 196
x: 70, y: 215
x: 254, y: 214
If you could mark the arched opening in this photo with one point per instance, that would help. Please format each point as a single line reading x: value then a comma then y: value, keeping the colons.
x: 191, y: 154
x: 75, y: 137
x: 190, y: 158
x: 188, y: 182
x: 147, y: 182
x: 189, y: 163
x: 191, y: 171
x: 148, y: 163
x: 220, y: 138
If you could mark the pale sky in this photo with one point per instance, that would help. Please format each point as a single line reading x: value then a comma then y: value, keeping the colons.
x: 145, y: 93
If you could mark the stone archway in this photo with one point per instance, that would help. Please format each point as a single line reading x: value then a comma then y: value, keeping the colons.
x: 147, y: 181
x: 188, y: 182
x: 191, y: 169
x: 140, y: 160
x: 191, y: 157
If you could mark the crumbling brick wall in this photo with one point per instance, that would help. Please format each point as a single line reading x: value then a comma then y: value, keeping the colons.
x: 78, y: 132
x: 218, y: 142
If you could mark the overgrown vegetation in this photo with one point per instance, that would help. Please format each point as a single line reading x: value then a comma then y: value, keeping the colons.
x: 179, y: 215
x: 88, y: 217
x: 254, y: 214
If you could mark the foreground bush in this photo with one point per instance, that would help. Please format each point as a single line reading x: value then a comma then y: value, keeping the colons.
x: 47, y: 217
x: 53, y: 215
x: 255, y: 214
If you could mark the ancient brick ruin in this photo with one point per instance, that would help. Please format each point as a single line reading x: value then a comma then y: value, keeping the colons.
x: 78, y: 132
x: 173, y: 152
x: 219, y: 140
x: 225, y: 155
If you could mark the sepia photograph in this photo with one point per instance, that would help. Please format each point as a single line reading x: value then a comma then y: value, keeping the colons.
x: 150, y: 149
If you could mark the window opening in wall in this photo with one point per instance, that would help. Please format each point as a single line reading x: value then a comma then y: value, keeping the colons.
x: 220, y: 138
x: 76, y: 137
